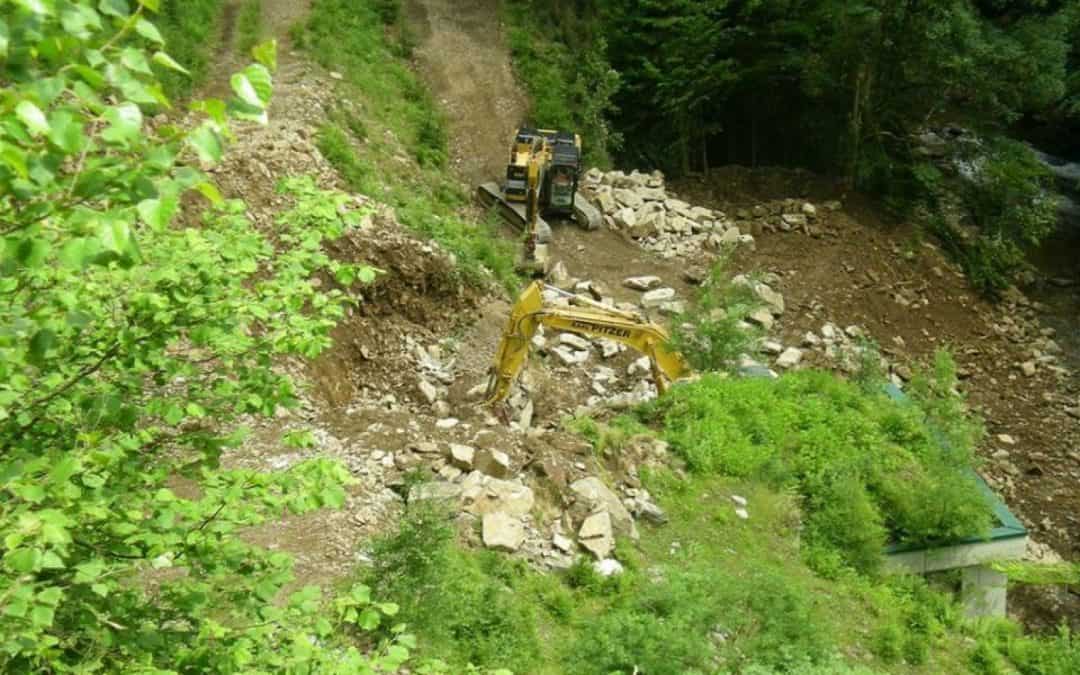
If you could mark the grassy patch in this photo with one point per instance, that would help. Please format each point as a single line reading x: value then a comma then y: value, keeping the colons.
x: 707, y: 592
x: 869, y: 469
x: 389, y: 139
x: 249, y: 26
x: 189, y: 28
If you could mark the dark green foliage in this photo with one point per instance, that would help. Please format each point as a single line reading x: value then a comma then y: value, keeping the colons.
x: 866, y: 466
x: 464, y: 605
x: 711, y: 335
x: 569, y: 88
x: 248, y: 25
x: 189, y: 28
x: 1010, y: 203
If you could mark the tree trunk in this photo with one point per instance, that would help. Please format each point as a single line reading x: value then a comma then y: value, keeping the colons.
x: 863, y: 83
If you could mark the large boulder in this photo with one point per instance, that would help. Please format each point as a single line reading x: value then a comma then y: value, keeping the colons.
x: 503, y: 532
x: 598, y: 497
x: 596, y: 534
x: 482, y: 494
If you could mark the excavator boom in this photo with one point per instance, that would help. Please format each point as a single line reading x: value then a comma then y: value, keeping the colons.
x: 585, y: 317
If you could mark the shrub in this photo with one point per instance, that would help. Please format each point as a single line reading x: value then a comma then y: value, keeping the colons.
x: 865, y: 465
x: 468, y: 607
x: 711, y: 335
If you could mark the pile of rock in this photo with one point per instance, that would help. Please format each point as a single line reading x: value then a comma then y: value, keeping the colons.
x: 639, y: 205
x: 1020, y: 324
x: 787, y: 215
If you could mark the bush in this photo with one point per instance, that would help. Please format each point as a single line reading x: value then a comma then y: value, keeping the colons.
x: 711, y: 335
x: 469, y: 608
x: 1010, y: 202
x: 569, y: 88
x: 866, y: 466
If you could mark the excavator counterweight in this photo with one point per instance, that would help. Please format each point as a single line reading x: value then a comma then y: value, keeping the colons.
x: 585, y: 317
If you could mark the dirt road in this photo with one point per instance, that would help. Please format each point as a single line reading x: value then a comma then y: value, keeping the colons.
x: 464, y: 59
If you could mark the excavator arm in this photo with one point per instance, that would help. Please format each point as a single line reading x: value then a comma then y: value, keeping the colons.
x: 585, y: 317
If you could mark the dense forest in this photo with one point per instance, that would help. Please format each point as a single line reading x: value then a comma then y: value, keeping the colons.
x: 842, y: 87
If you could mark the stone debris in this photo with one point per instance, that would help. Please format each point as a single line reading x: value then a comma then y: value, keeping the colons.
x: 598, y: 497
x: 502, y: 532
x: 564, y: 544
x: 447, y: 423
x: 596, y: 535
x: 574, y: 341
x: 608, y: 567
x: 657, y: 297
x: 493, y: 463
x: 428, y: 391
x: 646, y: 283
x: 481, y: 494
x: 639, y: 205
x: 461, y: 456
x: 790, y: 358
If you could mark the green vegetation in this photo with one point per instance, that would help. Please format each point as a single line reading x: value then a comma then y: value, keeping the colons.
x: 870, y: 470
x: 389, y: 140
x: 570, y: 89
x: 707, y: 592
x: 1010, y: 202
x: 837, y: 86
x: 127, y: 367
x: 248, y: 26
x: 189, y: 28
x: 712, y: 334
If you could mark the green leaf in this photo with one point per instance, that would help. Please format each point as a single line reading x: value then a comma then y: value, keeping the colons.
x: 158, y: 213
x: 31, y: 115
x: 207, y: 144
x: 23, y: 560
x: 51, y: 596
x: 114, y: 7
x: 389, y: 608
x: 253, y: 86
x: 366, y: 274
x: 16, y: 608
x: 210, y: 191
x: 166, y: 61
x: 266, y: 54
x: 89, y: 571
x: 51, y: 561
x: 174, y: 415
x: 40, y: 344
x: 41, y: 616
x: 135, y: 60
x: 5, y: 38
x: 369, y: 619
x: 152, y: 5
x: 125, y: 124
x: 35, y: 6
x: 148, y: 31
x: 66, y: 132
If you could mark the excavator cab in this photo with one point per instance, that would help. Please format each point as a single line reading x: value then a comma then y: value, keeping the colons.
x: 527, y: 144
x: 563, y: 175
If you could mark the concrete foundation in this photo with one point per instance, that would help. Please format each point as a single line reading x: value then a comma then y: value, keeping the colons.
x: 983, y: 592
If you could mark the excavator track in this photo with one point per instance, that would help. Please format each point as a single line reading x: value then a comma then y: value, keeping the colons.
x: 490, y: 194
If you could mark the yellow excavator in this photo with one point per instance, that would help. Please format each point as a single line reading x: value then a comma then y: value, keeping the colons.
x: 541, y: 181
x: 584, y: 316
